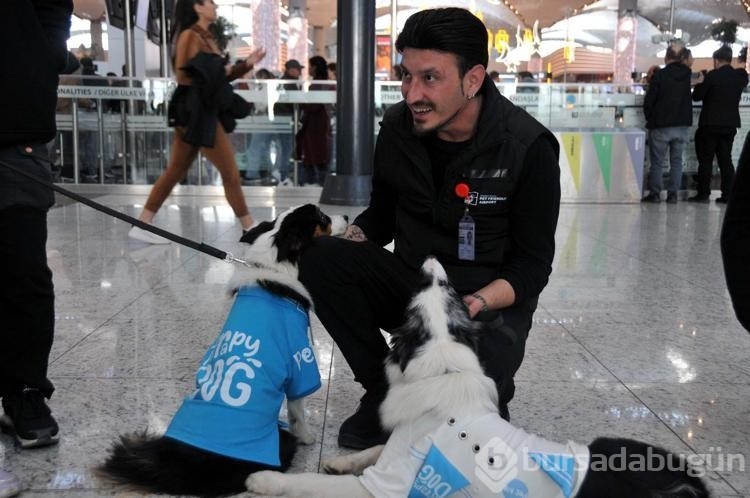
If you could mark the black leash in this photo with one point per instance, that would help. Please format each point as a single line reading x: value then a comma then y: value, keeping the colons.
x: 204, y: 248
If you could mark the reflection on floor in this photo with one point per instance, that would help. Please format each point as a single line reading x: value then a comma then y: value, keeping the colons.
x: 634, y: 336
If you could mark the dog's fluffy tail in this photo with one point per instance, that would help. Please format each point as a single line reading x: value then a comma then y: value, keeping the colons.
x: 159, y: 464
x: 623, y: 468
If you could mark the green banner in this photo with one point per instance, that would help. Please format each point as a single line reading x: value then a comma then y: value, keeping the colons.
x: 603, y: 146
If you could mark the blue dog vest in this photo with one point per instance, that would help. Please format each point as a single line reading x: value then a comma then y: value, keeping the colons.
x: 262, y: 354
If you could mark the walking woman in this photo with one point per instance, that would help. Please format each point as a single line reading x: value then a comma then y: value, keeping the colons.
x: 194, y: 109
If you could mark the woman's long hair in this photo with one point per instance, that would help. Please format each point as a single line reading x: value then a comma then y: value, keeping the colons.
x: 319, y: 68
x: 184, y: 17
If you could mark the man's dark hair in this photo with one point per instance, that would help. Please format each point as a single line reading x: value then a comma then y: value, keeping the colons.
x: 723, y: 53
x: 451, y: 30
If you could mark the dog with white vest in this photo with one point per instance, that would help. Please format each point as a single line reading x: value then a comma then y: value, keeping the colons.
x: 447, y: 437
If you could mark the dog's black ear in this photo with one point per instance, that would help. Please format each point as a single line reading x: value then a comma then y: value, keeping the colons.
x: 251, y: 235
x: 296, y: 233
x: 290, y: 245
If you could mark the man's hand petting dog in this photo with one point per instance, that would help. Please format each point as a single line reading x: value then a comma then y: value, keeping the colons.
x: 353, y: 232
x: 474, y: 305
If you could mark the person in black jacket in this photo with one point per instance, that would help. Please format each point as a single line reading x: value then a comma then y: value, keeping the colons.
x: 720, y: 92
x: 34, y: 34
x: 735, y: 239
x: 669, y: 115
x: 453, y: 133
x: 89, y: 136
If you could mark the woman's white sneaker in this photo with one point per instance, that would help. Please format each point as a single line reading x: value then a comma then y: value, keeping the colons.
x: 138, y: 233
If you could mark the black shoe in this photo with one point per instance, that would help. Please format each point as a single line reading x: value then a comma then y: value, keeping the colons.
x: 362, y: 430
x: 698, y: 198
x: 722, y: 200
x: 672, y: 198
x: 28, y: 417
x: 652, y: 197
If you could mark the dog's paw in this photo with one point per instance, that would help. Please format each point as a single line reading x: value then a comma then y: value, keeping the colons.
x: 303, y: 433
x: 266, y: 483
x: 340, y: 465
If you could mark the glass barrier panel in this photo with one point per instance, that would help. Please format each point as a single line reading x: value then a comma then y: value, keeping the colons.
x: 115, y: 129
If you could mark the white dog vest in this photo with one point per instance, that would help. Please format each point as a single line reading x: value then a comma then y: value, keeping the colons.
x: 474, y: 457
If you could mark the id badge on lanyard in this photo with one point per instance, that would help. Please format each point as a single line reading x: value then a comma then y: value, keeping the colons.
x: 466, y: 227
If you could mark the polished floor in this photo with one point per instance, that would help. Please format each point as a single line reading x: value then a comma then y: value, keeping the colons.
x: 634, y: 336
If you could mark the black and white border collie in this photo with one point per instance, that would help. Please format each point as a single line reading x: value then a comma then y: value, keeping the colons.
x: 448, y: 440
x: 164, y: 464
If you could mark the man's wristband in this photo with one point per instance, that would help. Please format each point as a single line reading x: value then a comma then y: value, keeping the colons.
x: 484, y: 302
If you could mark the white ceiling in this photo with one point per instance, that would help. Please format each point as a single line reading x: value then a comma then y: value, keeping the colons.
x: 693, y: 16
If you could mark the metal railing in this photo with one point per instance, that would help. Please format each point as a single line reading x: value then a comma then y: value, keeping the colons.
x: 101, y: 139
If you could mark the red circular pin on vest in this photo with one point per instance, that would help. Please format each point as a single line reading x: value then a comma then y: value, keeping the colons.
x: 462, y: 190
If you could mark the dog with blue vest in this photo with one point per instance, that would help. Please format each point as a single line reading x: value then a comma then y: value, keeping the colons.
x: 228, y: 427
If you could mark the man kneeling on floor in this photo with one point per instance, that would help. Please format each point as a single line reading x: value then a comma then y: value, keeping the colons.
x: 462, y: 174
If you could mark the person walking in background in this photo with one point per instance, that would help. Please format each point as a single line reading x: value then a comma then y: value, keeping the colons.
x: 88, y: 138
x: 720, y: 91
x: 314, y: 136
x: 34, y: 33
x: 193, y: 124
x: 526, y: 83
x: 292, y: 71
x: 260, y: 170
x: 669, y: 115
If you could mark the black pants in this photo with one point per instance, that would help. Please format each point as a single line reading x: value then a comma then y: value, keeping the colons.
x: 359, y: 288
x: 27, y: 298
x: 709, y: 143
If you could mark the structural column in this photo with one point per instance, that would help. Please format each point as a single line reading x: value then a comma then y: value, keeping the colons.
x: 625, y: 42
x: 266, y: 31
x: 355, y: 95
x: 319, y: 41
x: 298, y: 28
